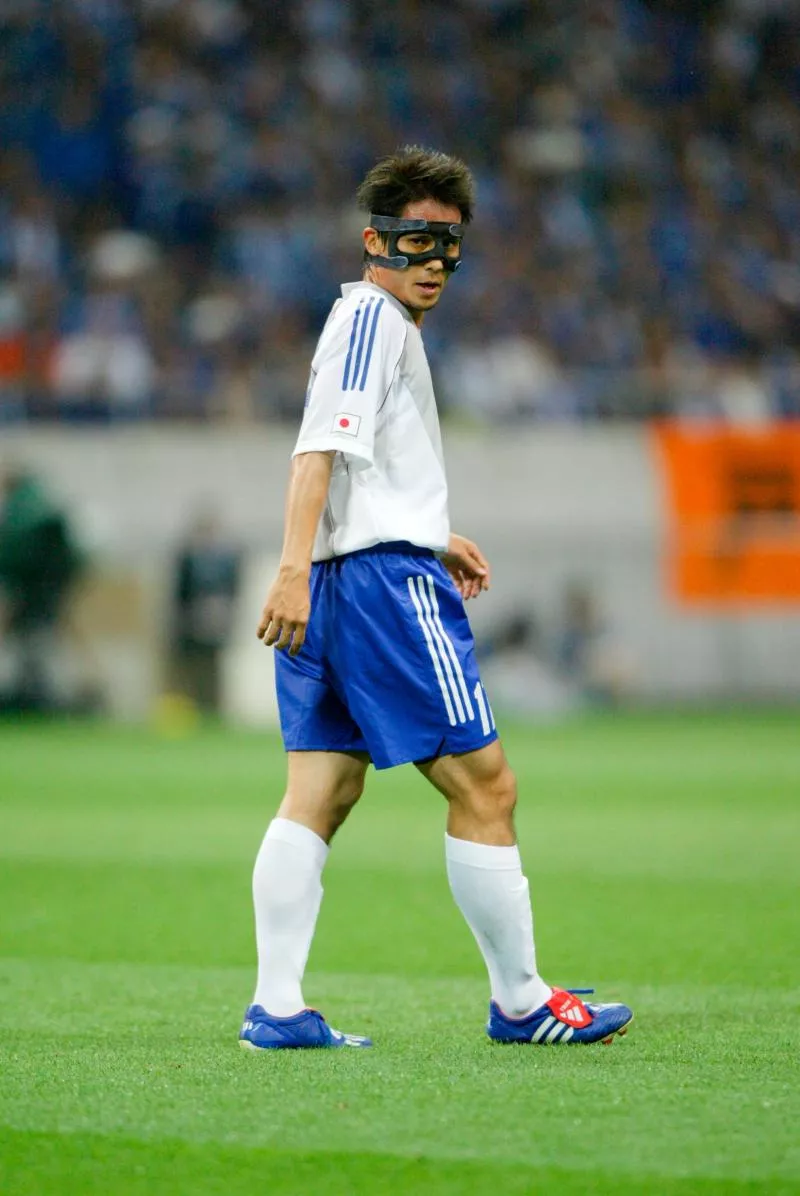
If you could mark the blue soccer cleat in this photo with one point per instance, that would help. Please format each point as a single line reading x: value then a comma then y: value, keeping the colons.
x: 564, y: 1018
x: 302, y: 1031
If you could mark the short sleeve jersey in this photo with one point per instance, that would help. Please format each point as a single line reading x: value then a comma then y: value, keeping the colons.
x: 370, y: 398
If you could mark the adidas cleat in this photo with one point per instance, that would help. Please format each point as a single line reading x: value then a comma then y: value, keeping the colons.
x: 302, y: 1031
x: 564, y: 1018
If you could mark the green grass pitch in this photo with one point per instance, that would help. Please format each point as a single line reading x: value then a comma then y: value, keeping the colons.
x: 663, y: 854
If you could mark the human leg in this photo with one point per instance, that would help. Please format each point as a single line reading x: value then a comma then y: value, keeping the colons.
x: 485, y: 873
x: 326, y: 768
x: 322, y: 788
x: 481, y: 793
x: 486, y: 879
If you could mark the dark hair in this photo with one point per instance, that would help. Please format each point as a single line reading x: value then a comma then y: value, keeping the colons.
x: 414, y: 173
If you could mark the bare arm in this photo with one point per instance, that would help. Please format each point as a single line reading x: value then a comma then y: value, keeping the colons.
x: 288, y: 605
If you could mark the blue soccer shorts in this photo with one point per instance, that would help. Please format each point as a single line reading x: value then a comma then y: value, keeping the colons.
x: 388, y: 664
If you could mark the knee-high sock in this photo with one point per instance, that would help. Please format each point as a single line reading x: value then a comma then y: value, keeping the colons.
x: 492, y: 894
x: 287, y: 893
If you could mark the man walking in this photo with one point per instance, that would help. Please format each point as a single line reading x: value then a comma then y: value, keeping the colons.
x: 375, y: 654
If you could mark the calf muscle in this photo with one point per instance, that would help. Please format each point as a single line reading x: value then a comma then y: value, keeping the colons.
x: 481, y: 792
x: 322, y: 788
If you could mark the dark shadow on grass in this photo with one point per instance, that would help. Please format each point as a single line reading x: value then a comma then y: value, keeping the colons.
x: 42, y: 1164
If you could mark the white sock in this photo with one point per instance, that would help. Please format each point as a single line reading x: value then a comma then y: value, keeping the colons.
x: 492, y: 894
x: 287, y: 893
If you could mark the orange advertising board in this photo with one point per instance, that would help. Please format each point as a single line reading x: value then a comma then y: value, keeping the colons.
x: 733, y: 501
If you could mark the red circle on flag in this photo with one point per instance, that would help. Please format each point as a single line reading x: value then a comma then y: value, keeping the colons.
x: 344, y: 423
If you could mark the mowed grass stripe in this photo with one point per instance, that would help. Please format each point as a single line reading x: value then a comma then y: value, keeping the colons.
x: 91, y: 1165
x: 668, y: 845
x: 682, y: 756
x: 585, y: 788
x: 64, y: 987
x: 589, y: 928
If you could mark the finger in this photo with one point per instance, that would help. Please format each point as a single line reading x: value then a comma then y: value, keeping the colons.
x: 473, y: 568
x: 484, y: 573
x: 273, y: 631
x: 481, y: 563
x: 298, y: 640
x: 285, y: 638
x: 266, y: 619
x: 476, y: 557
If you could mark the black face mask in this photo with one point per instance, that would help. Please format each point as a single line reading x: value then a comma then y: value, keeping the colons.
x: 445, y: 236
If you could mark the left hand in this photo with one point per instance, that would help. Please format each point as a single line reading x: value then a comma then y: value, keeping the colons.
x: 467, y: 566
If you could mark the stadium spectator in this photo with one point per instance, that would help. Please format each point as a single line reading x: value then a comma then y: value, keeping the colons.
x: 645, y: 153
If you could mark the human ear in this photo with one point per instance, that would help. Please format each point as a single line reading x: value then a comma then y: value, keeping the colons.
x: 373, y: 241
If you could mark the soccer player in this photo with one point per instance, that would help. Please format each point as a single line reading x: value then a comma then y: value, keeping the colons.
x: 375, y: 657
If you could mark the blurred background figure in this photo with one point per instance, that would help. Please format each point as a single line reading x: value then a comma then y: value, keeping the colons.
x: 588, y: 652
x: 207, y: 572
x: 551, y: 666
x: 39, y: 565
x: 518, y: 671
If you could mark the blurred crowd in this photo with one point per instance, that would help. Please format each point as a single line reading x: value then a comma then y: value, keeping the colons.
x: 176, y: 201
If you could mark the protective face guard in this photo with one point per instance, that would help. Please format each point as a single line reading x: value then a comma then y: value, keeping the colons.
x: 444, y: 235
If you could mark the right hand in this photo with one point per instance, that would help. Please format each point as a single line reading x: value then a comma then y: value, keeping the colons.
x: 286, y: 611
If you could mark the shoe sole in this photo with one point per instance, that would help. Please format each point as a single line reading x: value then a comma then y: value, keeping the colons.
x: 257, y: 1050
x: 315, y: 1046
x: 620, y: 1033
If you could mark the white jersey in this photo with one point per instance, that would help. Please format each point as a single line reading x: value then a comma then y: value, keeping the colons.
x: 370, y: 397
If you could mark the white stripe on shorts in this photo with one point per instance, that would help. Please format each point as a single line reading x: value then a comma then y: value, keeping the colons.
x: 456, y: 662
x: 439, y: 641
x: 434, y: 657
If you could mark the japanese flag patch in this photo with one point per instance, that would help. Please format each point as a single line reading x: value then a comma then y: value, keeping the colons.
x: 343, y: 421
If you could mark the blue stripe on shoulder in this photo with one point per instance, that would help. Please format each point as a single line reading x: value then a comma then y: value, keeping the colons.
x: 361, y: 338
x: 370, y: 343
x: 353, y: 334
